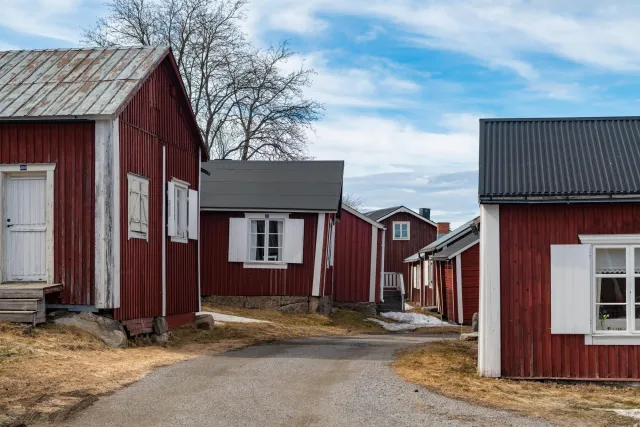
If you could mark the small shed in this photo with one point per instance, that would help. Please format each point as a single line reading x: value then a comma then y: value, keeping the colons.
x: 358, y: 261
x: 559, y: 248
x: 99, y: 172
x: 268, y: 232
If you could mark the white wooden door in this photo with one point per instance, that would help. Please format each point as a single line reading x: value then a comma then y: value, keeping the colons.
x: 25, y: 257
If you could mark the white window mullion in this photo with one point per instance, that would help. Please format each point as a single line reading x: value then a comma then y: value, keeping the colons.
x: 630, y: 285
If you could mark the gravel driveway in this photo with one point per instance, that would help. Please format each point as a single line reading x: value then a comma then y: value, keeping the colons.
x: 306, y: 382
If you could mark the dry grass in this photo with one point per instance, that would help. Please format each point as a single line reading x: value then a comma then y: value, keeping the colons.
x: 449, y: 368
x: 52, y: 370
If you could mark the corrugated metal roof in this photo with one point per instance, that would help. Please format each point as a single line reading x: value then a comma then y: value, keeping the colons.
x: 72, y: 82
x: 562, y: 157
x: 442, y: 241
x: 381, y: 213
x: 449, y: 251
x: 266, y: 185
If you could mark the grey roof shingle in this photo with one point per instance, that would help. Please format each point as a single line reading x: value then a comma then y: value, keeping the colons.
x: 72, y: 82
x: 559, y: 157
x: 447, y: 252
x: 270, y: 185
x: 442, y: 241
x: 381, y: 213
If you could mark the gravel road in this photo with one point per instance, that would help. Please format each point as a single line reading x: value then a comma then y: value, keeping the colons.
x: 341, y: 381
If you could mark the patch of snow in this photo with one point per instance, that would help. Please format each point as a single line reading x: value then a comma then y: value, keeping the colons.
x: 224, y: 318
x: 394, y: 327
x: 408, y: 306
x: 631, y: 413
x: 421, y: 320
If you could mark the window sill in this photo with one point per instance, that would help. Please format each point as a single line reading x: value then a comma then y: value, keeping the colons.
x: 611, y: 339
x: 266, y: 265
x: 406, y: 238
x: 179, y: 239
x: 135, y: 235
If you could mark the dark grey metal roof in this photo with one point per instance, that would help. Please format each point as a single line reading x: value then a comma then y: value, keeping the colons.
x: 559, y: 157
x: 449, y: 251
x: 442, y: 241
x: 381, y: 213
x: 72, y: 82
x: 266, y: 185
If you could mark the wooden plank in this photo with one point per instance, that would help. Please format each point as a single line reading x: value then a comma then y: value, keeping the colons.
x: 30, y: 304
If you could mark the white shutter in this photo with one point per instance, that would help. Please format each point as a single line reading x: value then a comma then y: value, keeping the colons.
x: 293, y: 240
x: 144, y: 206
x: 171, y: 210
x: 133, y: 204
x: 571, y: 289
x: 238, y: 239
x: 194, y: 208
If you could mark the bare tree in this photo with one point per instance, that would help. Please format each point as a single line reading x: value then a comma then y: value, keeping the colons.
x: 353, y: 201
x: 246, y: 106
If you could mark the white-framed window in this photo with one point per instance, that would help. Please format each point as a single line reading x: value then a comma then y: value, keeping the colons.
x: 401, y: 230
x: 182, y: 211
x: 138, y: 206
x: 263, y: 240
x: 266, y: 240
x: 616, y: 289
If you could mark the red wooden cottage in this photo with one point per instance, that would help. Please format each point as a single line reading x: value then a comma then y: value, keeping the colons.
x: 446, y: 273
x: 358, y: 261
x: 99, y: 149
x: 408, y: 232
x: 560, y: 248
x: 268, y: 232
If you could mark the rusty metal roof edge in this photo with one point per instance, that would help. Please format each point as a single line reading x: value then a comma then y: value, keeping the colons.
x: 59, y: 118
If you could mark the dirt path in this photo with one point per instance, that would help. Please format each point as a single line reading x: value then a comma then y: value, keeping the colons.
x: 306, y: 382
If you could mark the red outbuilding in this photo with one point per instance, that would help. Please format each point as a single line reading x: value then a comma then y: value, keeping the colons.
x: 268, y: 232
x: 560, y: 248
x: 446, y: 273
x: 358, y: 261
x: 99, y: 149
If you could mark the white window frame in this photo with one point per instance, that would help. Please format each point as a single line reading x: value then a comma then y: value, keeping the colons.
x: 266, y: 246
x: 265, y: 217
x: 131, y: 177
x: 180, y: 185
x: 400, y: 224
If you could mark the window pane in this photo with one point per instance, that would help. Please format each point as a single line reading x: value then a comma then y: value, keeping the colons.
x: 404, y: 228
x: 637, y: 318
x: 637, y: 286
x: 260, y: 240
x: 611, y: 290
x: 611, y: 261
x: 636, y: 261
x: 396, y: 234
x: 275, y: 240
x: 257, y: 254
x: 611, y: 318
x: 275, y: 227
x: 404, y: 234
x: 257, y: 226
x: 275, y: 254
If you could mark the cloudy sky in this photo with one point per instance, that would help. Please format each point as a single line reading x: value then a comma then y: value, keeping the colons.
x: 404, y: 82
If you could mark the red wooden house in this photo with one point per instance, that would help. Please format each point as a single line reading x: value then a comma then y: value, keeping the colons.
x: 268, y: 232
x: 559, y: 248
x: 358, y: 261
x: 99, y: 149
x: 446, y: 273
x: 408, y: 231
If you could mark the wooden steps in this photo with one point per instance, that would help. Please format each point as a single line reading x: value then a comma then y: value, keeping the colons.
x: 392, y: 301
x: 24, y: 302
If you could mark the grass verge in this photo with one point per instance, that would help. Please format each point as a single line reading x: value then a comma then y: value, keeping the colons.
x: 449, y: 368
x: 50, y: 371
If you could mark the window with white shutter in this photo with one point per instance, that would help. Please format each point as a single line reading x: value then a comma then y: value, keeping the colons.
x: 178, y: 207
x: 570, y: 289
x: 138, y: 206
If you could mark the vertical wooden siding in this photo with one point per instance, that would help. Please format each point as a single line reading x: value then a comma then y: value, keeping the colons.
x: 450, y: 290
x: 527, y: 346
x: 470, y: 282
x: 396, y: 251
x: 71, y: 147
x: 156, y: 117
x: 352, y: 262
x: 221, y: 277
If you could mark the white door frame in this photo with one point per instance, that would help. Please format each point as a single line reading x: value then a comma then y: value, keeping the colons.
x: 30, y: 168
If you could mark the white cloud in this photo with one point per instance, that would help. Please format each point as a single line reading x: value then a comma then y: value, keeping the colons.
x: 43, y: 18
x: 371, y: 34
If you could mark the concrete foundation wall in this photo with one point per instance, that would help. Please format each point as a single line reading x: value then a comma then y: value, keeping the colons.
x: 289, y: 304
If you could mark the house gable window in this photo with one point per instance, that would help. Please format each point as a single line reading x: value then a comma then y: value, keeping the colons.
x: 595, y: 289
x: 266, y: 240
x: 401, y: 230
x: 138, y: 206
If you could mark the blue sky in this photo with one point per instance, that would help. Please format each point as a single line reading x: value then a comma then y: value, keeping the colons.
x: 404, y: 82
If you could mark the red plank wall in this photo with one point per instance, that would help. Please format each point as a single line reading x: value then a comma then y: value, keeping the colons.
x: 451, y: 292
x: 70, y: 145
x: 221, y: 277
x: 470, y: 260
x: 396, y: 251
x: 527, y: 345
x: 156, y: 117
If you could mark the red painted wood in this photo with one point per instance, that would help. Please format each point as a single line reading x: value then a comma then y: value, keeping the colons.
x: 221, y: 277
x: 528, y: 348
x: 421, y: 234
x: 157, y: 116
x: 70, y: 145
x: 450, y: 308
x: 177, y: 320
x: 470, y: 260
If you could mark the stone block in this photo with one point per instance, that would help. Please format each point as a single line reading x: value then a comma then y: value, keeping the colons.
x: 109, y: 331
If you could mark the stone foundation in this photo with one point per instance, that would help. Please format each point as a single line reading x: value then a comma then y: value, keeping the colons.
x: 366, y: 308
x: 286, y: 303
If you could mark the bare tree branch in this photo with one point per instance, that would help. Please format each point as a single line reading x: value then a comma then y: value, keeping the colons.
x: 353, y: 201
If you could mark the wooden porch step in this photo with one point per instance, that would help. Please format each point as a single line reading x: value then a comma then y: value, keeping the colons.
x: 27, y: 290
x: 24, y: 316
x: 20, y: 304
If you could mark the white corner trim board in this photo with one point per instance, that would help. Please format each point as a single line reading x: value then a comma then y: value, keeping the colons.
x: 107, y: 214
x: 459, y: 287
x: 164, y: 235
x: 382, y: 244
x: 374, y: 259
x: 489, y: 311
x: 317, y: 265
